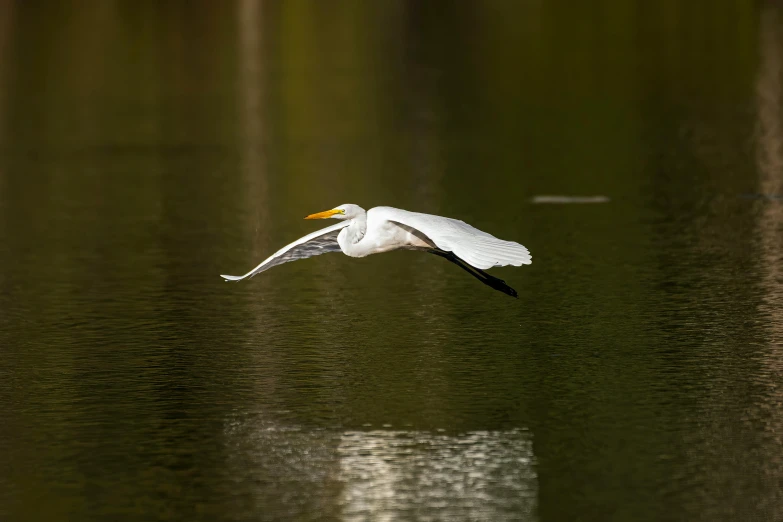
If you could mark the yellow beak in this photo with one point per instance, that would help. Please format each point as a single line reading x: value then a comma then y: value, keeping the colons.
x: 325, y: 214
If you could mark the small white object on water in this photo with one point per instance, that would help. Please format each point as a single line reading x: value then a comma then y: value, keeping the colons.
x: 570, y: 199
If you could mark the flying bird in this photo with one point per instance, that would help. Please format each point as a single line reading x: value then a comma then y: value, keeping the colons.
x: 382, y: 229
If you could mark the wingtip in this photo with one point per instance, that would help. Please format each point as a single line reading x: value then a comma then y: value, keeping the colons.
x: 230, y: 277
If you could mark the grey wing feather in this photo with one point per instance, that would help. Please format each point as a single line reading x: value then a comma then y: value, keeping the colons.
x: 320, y: 242
x: 315, y: 247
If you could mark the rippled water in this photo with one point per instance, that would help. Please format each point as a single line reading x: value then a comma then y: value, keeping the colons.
x: 147, y: 147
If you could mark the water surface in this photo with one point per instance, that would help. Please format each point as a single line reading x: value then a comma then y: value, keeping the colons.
x: 146, y: 148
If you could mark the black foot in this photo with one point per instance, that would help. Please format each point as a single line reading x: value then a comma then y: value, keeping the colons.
x: 491, y: 281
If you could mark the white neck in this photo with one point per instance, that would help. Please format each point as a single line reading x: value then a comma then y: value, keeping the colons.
x: 353, y: 233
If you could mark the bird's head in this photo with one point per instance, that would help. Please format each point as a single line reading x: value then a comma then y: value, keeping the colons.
x: 347, y: 211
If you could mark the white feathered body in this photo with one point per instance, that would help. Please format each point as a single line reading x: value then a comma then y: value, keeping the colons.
x: 378, y: 233
x: 383, y: 229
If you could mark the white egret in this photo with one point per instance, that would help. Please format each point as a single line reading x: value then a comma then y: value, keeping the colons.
x: 381, y: 229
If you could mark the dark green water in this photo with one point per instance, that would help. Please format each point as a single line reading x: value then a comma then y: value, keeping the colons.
x: 147, y: 147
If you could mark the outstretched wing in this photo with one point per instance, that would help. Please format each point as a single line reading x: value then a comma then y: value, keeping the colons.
x: 319, y: 242
x: 474, y: 246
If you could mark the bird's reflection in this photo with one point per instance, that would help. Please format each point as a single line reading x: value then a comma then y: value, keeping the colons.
x: 384, y: 474
x: 480, y: 475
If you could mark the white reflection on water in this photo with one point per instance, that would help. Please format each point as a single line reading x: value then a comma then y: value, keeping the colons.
x: 769, y: 91
x: 393, y: 475
x: 381, y: 475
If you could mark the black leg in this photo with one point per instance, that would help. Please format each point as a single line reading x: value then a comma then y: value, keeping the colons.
x: 491, y: 281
